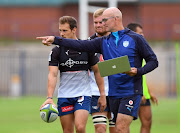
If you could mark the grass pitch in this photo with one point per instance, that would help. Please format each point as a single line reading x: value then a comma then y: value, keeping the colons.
x: 21, y: 115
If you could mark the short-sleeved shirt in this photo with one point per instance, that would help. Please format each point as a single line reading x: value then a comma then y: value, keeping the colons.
x: 74, y: 75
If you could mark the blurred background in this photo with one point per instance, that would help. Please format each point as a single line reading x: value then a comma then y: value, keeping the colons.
x: 24, y: 60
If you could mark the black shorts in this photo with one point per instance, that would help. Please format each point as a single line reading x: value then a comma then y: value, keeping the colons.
x: 147, y: 103
x: 127, y: 105
x: 94, y: 101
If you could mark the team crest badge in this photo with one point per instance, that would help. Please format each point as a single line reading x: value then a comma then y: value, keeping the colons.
x: 126, y: 43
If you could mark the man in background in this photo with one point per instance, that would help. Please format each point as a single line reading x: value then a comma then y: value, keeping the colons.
x: 145, y: 113
x: 74, y: 95
x: 100, y: 118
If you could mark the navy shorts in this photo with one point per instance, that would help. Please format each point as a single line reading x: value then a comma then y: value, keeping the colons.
x: 94, y: 101
x: 127, y: 105
x: 147, y: 103
x: 70, y: 105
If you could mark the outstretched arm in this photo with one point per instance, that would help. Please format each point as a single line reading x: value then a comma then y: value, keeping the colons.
x: 100, y: 84
x: 93, y: 46
x: 52, y: 79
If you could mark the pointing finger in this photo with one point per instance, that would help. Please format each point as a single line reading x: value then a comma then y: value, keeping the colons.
x: 41, y: 38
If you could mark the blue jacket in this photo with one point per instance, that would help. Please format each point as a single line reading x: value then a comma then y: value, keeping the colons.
x: 129, y: 43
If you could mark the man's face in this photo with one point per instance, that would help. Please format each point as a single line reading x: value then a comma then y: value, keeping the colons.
x: 99, y: 26
x: 108, y: 22
x: 139, y: 31
x: 65, y: 31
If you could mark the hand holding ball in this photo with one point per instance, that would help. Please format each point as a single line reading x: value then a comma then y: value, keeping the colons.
x: 49, y: 113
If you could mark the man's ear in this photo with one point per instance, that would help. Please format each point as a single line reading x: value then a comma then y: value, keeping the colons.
x: 74, y: 30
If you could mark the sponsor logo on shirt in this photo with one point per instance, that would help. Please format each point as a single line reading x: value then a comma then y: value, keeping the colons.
x: 70, y: 63
x: 67, y: 108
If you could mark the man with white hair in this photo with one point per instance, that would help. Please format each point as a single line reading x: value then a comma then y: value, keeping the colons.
x: 125, y: 89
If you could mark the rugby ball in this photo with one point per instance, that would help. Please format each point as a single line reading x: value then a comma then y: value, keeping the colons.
x: 49, y: 113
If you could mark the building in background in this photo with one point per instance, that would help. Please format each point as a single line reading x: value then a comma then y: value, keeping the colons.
x: 21, y: 20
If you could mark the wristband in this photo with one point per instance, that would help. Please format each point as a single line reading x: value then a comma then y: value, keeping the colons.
x: 49, y: 97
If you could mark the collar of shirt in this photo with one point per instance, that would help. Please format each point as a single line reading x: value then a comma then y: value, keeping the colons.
x: 117, y: 35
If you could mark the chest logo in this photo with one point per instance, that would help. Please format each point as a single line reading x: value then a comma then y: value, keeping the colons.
x: 70, y: 63
x: 126, y: 43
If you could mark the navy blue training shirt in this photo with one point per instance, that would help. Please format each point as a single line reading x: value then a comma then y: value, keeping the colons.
x: 129, y: 43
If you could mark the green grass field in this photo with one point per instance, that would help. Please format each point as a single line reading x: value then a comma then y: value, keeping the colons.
x: 21, y: 115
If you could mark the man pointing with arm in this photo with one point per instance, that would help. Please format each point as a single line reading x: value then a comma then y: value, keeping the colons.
x: 125, y: 89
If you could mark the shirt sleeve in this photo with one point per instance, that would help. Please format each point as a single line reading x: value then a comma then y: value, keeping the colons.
x: 94, y: 45
x: 147, y: 53
x: 93, y: 59
x: 54, y: 56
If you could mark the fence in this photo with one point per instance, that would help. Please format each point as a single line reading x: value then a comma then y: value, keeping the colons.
x: 30, y: 65
x: 24, y: 71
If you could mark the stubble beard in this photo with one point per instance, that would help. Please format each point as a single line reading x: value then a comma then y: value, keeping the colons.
x: 102, y: 33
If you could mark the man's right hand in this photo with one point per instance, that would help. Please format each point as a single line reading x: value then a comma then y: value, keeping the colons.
x: 46, y: 40
x: 48, y: 101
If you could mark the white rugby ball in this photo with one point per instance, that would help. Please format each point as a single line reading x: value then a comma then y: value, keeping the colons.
x: 49, y: 113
